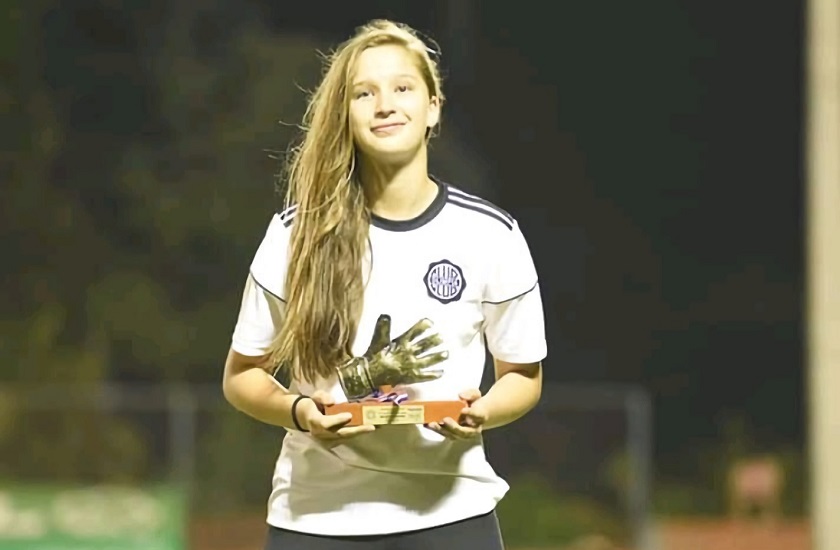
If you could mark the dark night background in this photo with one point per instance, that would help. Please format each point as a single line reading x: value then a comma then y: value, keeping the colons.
x: 651, y: 152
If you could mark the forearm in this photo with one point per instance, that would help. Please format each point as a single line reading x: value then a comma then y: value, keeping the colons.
x: 257, y: 394
x: 512, y: 396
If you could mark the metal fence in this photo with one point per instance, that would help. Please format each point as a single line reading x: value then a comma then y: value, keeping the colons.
x: 584, y: 452
x: 592, y: 445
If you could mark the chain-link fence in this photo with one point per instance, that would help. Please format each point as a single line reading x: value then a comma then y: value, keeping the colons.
x: 578, y: 465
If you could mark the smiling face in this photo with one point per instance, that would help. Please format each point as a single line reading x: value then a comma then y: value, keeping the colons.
x: 391, y: 107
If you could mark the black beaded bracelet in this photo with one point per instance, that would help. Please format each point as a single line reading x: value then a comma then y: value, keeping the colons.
x: 294, y: 412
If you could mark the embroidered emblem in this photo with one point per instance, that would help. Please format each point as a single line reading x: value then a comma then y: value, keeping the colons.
x: 445, y: 281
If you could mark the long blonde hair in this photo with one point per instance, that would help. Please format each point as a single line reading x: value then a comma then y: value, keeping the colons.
x: 324, y: 287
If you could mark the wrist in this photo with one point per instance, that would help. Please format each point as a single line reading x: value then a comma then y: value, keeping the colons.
x: 302, y: 412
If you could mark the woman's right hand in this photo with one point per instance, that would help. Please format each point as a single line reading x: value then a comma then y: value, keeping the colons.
x: 327, y: 426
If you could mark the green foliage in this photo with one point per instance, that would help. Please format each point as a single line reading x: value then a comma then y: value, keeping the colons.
x: 532, y: 514
x: 149, y: 294
x: 47, y: 439
x: 204, y: 200
x: 228, y: 482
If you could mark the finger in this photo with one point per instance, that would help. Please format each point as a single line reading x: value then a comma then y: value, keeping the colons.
x: 470, y: 395
x: 432, y: 359
x: 353, y: 431
x: 457, y: 430
x: 334, y: 421
x: 381, y: 333
x: 437, y: 428
x: 469, y: 418
x: 427, y: 375
x: 419, y: 328
x: 427, y: 343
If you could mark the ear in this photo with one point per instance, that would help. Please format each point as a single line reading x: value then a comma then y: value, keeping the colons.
x: 434, y: 112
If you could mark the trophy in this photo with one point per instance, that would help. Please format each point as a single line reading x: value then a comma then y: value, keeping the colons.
x: 371, y: 381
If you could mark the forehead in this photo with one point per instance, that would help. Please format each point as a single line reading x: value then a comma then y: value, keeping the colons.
x: 383, y: 62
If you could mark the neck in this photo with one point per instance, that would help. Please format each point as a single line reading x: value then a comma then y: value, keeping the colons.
x: 398, y: 192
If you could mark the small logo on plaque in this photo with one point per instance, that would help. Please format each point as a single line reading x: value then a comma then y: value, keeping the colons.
x: 393, y: 414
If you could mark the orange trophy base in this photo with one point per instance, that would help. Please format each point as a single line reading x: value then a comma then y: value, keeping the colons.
x: 408, y: 412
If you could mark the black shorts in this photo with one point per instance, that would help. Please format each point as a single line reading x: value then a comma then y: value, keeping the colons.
x: 478, y: 532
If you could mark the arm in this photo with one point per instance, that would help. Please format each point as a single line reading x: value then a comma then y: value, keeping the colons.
x: 516, y: 391
x: 252, y: 390
x: 515, y: 332
x: 246, y: 382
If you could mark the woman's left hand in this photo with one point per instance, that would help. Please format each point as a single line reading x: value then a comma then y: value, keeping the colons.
x: 473, y: 417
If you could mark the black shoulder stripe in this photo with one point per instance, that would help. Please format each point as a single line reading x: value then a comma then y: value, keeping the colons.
x: 478, y: 200
x: 287, y: 215
x: 259, y: 284
x: 457, y: 201
x: 288, y: 210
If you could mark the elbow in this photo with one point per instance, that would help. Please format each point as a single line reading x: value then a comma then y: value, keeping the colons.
x: 534, y: 396
x: 235, y: 367
x: 231, y: 389
x: 228, y: 390
x: 536, y: 386
x: 537, y: 394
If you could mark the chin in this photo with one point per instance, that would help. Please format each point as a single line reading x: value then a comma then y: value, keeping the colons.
x: 392, y: 155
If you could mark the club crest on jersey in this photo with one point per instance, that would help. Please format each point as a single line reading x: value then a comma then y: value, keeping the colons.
x: 445, y: 281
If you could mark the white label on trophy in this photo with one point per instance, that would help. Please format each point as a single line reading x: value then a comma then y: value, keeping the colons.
x: 393, y: 414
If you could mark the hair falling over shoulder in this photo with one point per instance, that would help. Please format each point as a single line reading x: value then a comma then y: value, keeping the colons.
x: 324, y: 287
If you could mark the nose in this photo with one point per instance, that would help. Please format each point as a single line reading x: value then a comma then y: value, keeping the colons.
x: 384, y: 105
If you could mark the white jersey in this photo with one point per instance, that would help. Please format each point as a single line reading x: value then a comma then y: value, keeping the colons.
x: 465, y: 265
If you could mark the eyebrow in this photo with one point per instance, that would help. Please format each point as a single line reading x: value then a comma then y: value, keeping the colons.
x: 395, y: 77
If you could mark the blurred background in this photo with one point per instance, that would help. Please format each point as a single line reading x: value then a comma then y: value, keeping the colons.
x: 651, y: 151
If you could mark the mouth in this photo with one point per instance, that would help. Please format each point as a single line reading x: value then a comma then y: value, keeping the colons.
x: 387, y: 128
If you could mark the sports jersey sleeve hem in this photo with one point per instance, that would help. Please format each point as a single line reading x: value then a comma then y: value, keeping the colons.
x: 512, y: 298
x: 248, y: 351
x: 511, y: 273
x: 515, y: 330
x: 260, y: 316
x: 521, y: 358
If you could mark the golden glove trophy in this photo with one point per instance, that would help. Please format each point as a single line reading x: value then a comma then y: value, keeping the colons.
x: 371, y: 381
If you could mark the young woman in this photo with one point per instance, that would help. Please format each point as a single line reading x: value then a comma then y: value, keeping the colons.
x: 378, y: 265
